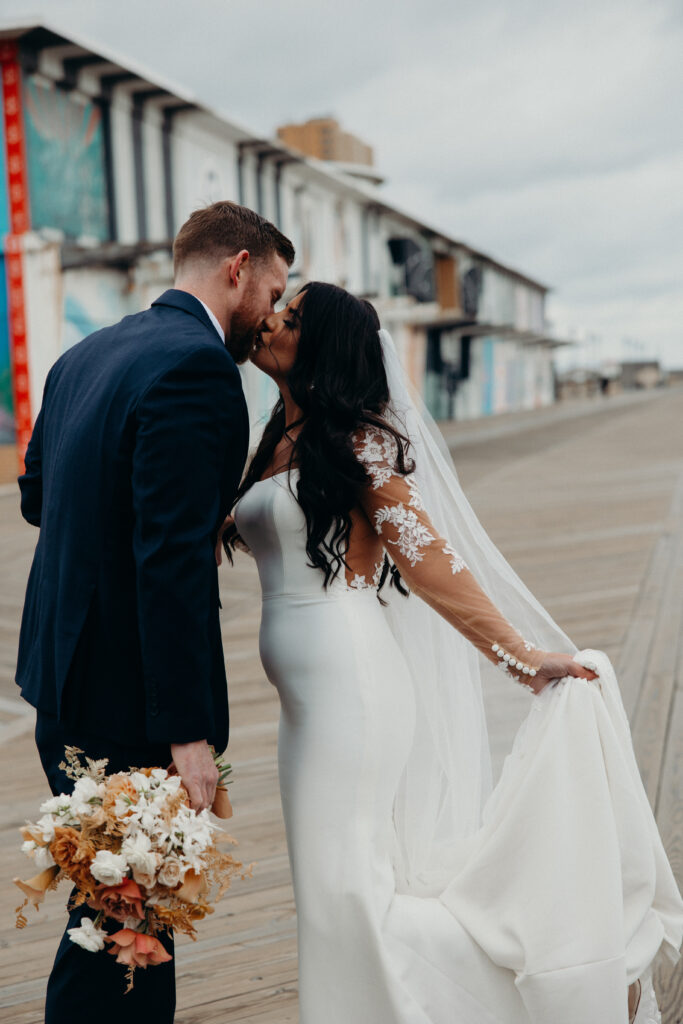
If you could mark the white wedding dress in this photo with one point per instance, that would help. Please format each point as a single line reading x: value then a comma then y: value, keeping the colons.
x: 558, y: 899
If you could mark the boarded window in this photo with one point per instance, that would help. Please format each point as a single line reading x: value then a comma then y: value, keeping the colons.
x: 447, y: 291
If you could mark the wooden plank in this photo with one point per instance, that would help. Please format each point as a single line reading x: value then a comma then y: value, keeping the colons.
x: 669, y: 978
x: 653, y: 710
x: 633, y: 660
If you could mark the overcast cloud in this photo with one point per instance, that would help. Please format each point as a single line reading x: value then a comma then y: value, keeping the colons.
x: 548, y: 134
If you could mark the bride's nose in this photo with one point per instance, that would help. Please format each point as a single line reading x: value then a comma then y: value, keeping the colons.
x: 269, y: 323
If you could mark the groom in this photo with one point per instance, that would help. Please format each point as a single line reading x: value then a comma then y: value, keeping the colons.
x: 134, y: 460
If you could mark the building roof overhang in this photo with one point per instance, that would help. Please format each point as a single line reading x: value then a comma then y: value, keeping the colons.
x: 69, y: 60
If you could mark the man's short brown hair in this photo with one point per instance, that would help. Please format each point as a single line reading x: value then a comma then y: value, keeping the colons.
x: 224, y: 229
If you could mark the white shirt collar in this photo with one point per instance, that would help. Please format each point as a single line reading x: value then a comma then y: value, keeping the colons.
x: 213, y: 319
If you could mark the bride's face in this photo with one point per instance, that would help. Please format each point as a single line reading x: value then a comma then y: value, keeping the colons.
x: 276, y: 345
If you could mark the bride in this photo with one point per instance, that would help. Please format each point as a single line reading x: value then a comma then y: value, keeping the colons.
x: 422, y: 897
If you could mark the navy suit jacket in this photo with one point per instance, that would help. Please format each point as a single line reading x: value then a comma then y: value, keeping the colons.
x: 134, y: 460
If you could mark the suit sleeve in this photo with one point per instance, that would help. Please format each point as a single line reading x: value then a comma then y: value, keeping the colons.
x: 189, y: 425
x: 432, y: 568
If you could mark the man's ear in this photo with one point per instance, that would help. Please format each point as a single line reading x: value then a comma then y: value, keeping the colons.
x: 236, y: 266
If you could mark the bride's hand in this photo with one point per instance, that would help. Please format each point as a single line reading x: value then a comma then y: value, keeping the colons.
x: 219, y: 543
x: 556, y: 666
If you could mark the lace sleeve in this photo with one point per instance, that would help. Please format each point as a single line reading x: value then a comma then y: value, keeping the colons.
x: 431, y: 567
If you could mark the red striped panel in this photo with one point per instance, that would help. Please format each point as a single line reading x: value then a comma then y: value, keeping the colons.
x: 17, y: 190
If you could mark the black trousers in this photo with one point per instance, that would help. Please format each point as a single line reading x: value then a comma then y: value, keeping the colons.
x: 89, y: 988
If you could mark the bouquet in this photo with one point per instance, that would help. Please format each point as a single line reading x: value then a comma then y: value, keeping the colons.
x: 137, y: 853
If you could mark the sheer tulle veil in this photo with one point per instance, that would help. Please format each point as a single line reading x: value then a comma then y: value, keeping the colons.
x: 448, y: 775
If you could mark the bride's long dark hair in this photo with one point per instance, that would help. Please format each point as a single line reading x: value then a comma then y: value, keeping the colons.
x: 339, y: 383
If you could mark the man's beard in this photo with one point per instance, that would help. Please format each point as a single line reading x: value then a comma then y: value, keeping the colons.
x: 243, y: 329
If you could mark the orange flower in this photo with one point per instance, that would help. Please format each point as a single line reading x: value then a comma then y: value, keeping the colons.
x: 118, y: 785
x: 221, y: 806
x: 64, y: 846
x: 36, y: 887
x: 136, y: 949
x: 74, y: 854
x: 194, y: 885
x: 120, y: 901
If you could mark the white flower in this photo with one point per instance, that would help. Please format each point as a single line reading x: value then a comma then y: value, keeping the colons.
x: 46, y: 825
x: 59, y: 805
x: 137, y: 849
x: 145, y: 879
x: 191, y: 834
x: 87, y: 796
x: 108, y: 868
x: 87, y: 936
x: 122, y: 806
x: 140, y: 781
x: 43, y: 858
x: 161, y: 837
x: 172, y: 872
x: 146, y: 817
x: 40, y: 854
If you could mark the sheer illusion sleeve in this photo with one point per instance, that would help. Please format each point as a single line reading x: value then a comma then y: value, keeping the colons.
x: 430, y: 566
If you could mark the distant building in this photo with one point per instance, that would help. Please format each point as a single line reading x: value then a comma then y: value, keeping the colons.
x: 642, y: 373
x: 100, y: 164
x: 323, y: 139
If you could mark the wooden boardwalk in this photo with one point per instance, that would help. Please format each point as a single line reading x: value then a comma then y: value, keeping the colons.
x: 588, y: 507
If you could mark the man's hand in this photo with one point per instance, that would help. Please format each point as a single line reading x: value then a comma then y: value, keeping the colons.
x: 556, y: 666
x: 219, y: 543
x: 195, y: 765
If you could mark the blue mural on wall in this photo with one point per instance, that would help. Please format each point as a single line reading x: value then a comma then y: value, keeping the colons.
x: 78, y: 322
x: 65, y: 155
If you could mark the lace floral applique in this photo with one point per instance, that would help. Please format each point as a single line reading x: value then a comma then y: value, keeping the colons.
x: 376, y: 450
x: 521, y: 679
x: 502, y: 665
x: 457, y: 561
x: 380, y: 475
x: 415, y: 496
x: 412, y: 534
x: 359, y: 581
x: 527, y: 645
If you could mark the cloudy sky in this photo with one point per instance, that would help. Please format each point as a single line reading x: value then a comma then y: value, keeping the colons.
x: 547, y: 133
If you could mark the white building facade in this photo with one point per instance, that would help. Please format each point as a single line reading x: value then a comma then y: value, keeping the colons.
x: 112, y: 162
